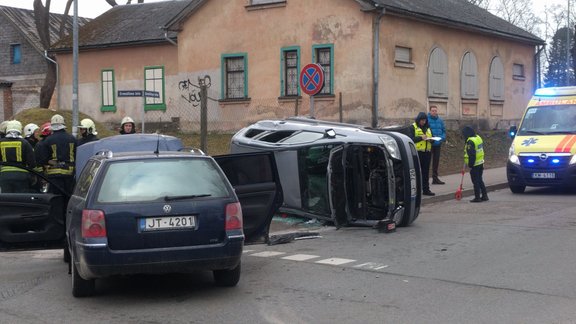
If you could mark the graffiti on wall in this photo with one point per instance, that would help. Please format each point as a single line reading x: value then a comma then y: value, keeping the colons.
x: 191, y: 92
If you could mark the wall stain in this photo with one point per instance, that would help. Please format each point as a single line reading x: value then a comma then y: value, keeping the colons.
x: 331, y: 28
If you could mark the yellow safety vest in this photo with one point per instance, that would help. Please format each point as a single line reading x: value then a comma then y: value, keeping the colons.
x: 479, y: 147
x: 422, y: 146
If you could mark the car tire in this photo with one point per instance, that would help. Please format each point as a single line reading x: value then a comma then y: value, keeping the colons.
x: 517, y: 188
x: 227, y: 278
x: 80, y: 286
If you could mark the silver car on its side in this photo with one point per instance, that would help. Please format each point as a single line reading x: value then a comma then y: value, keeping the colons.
x: 344, y: 173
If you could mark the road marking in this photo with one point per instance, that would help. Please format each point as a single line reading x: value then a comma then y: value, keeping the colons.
x: 371, y: 266
x: 267, y: 254
x: 300, y: 257
x: 335, y: 261
x: 247, y: 251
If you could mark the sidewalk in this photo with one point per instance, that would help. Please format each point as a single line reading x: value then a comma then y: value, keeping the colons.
x: 493, y: 179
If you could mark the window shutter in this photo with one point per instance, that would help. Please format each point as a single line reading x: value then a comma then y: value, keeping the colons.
x: 402, y: 54
x: 438, y: 74
x: 496, y: 79
x: 469, y: 77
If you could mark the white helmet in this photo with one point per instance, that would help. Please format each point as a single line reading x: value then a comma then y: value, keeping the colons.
x: 14, y: 126
x: 3, y: 127
x: 126, y: 120
x: 57, y: 122
x: 89, y: 125
x: 30, y: 129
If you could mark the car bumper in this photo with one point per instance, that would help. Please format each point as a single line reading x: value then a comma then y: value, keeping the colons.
x: 522, y: 176
x: 98, y: 261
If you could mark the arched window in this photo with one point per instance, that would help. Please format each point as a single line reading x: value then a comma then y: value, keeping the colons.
x: 496, y: 79
x: 438, y: 74
x: 469, y: 77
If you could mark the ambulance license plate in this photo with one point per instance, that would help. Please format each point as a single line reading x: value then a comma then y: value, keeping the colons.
x: 544, y: 175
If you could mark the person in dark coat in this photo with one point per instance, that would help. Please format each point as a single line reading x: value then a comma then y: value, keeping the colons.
x: 421, y: 135
x: 474, y: 158
x: 14, y: 149
x: 58, y: 155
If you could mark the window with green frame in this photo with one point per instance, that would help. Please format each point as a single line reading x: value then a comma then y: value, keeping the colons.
x: 108, y: 91
x: 324, y: 55
x: 154, y: 82
x: 234, y: 76
x: 289, y: 71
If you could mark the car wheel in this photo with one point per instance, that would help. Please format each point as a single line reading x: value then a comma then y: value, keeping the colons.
x: 227, y: 278
x: 80, y: 286
x: 517, y: 188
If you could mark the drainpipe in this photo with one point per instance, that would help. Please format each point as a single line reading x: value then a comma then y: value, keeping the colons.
x: 376, y: 65
x: 538, y: 71
x: 168, y: 38
x: 57, y: 75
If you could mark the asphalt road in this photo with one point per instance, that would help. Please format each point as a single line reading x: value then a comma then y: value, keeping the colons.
x: 510, y: 260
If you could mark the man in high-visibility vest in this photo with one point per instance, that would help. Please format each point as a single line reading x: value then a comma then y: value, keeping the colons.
x: 14, y: 149
x: 474, y: 158
x: 421, y: 135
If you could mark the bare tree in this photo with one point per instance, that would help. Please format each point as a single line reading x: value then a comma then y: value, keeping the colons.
x: 42, y: 20
x: 484, y: 4
x: 113, y: 3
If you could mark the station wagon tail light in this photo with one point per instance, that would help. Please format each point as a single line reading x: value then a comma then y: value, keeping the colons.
x: 233, y: 216
x: 93, y: 223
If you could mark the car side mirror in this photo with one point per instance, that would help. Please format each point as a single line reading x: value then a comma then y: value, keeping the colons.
x: 512, y: 132
x: 330, y: 133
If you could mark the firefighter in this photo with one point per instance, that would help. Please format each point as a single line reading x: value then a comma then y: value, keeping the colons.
x: 58, y: 155
x: 31, y: 132
x: 87, y: 131
x: 474, y: 158
x: 127, y: 126
x: 14, y: 149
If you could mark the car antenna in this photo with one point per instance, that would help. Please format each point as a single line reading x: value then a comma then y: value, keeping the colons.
x: 157, y: 144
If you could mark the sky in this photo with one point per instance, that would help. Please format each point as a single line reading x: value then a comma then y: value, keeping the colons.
x: 94, y: 8
x: 86, y: 8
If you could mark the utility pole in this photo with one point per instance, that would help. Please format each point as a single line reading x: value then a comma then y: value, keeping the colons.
x: 568, y: 81
x: 75, y: 70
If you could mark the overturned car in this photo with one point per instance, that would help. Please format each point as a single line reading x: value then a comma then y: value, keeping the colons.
x: 344, y: 173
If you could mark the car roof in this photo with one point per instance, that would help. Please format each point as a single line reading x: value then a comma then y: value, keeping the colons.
x: 111, y: 156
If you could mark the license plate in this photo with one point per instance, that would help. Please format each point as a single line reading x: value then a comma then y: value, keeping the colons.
x: 545, y: 175
x: 167, y: 223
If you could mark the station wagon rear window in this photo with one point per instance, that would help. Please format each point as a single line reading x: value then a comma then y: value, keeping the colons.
x: 149, y: 180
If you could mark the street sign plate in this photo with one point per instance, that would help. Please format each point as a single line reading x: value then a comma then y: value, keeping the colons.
x: 312, y: 79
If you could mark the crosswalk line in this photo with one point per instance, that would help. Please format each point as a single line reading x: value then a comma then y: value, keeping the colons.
x: 335, y: 261
x: 267, y: 254
x: 300, y: 257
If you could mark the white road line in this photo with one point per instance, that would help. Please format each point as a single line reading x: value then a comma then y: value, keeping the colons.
x: 248, y: 251
x: 335, y: 261
x: 300, y: 257
x: 267, y: 254
x: 371, y: 266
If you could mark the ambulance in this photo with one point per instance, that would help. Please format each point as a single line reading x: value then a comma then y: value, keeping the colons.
x: 543, y: 150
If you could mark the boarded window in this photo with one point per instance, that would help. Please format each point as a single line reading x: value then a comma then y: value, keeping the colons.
x: 496, y: 79
x: 469, y: 77
x: 438, y: 74
x: 403, y: 54
x: 108, y: 99
x: 235, y: 83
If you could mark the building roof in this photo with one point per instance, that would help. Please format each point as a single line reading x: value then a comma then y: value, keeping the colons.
x: 23, y: 21
x: 458, y: 14
x: 133, y: 24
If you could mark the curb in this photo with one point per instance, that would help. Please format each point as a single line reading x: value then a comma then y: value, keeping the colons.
x: 465, y: 193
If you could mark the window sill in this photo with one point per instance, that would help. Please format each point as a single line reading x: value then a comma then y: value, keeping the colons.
x: 278, y: 4
x: 438, y: 99
x: 469, y: 100
x: 405, y: 65
x: 108, y: 108
x: 155, y: 107
x: 518, y: 78
x: 324, y: 97
x: 496, y: 102
x: 234, y: 101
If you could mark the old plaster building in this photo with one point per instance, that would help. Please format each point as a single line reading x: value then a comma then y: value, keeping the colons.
x: 383, y: 60
x: 23, y: 65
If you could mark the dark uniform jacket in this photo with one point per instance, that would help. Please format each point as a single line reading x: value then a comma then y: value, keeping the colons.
x: 87, y: 139
x: 57, y: 153
x: 17, y: 150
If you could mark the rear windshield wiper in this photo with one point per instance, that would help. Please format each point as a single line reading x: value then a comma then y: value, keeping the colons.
x: 172, y: 198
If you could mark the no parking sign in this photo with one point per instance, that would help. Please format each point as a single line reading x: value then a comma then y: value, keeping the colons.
x: 312, y: 79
